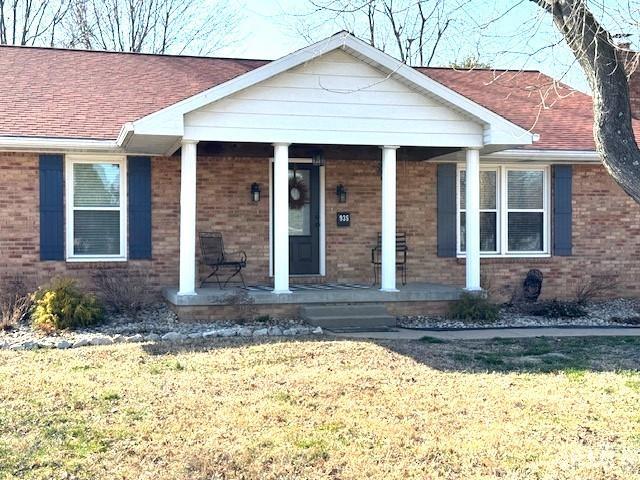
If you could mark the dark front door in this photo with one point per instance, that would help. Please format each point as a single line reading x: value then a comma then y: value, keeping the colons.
x: 304, y: 219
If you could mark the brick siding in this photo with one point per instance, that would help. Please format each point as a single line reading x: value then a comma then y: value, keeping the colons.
x: 606, y: 225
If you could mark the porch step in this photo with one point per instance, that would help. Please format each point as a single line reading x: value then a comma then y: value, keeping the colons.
x: 349, y: 316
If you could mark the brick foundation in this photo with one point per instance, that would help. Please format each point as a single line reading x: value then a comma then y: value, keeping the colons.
x: 606, y: 224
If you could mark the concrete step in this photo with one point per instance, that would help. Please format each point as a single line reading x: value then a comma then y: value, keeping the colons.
x: 349, y: 316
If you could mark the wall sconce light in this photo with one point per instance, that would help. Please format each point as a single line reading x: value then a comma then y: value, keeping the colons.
x: 255, y: 192
x: 317, y: 160
x: 341, y: 193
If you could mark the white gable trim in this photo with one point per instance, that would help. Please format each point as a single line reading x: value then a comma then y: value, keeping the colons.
x: 170, y: 120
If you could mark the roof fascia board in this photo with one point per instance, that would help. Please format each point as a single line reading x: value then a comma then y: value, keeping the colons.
x: 46, y: 144
x: 572, y: 156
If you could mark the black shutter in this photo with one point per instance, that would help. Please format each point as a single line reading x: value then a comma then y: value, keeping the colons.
x: 446, y: 210
x: 51, y: 207
x: 139, y: 207
x: 562, y: 211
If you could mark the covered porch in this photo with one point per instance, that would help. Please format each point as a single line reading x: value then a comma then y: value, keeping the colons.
x: 337, y: 94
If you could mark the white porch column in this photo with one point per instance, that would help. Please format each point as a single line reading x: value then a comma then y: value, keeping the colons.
x: 472, y: 179
x: 188, y: 218
x: 388, y: 261
x: 281, y: 218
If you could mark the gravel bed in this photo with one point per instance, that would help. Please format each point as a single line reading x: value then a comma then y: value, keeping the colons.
x: 156, y: 323
x: 619, y: 312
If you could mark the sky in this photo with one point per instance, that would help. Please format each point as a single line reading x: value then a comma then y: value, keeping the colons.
x: 480, y: 28
x: 514, y: 34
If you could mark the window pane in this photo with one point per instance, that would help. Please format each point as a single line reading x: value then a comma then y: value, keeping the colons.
x: 525, y: 231
x: 96, y: 233
x: 487, y: 190
x: 96, y: 185
x: 526, y: 189
x: 488, y: 232
x: 300, y: 218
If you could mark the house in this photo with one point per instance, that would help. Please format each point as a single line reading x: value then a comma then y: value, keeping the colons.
x: 119, y: 160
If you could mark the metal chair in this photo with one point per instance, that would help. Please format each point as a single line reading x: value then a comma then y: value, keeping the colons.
x: 401, y: 256
x: 215, y: 257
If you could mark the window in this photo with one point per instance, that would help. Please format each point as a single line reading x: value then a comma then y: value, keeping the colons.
x: 513, y: 211
x: 488, y: 211
x: 96, y: 213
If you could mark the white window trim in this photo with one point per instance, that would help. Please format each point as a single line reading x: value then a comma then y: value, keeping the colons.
x: 70, y: 160
x: 502, y: 243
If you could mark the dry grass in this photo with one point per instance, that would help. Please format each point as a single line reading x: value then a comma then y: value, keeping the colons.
x: 324, y: 409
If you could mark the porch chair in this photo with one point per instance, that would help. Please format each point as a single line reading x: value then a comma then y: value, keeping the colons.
x: 215, y: 257
x: 401, y: 256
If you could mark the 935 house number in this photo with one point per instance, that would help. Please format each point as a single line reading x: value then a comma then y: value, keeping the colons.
x: 344, y: 219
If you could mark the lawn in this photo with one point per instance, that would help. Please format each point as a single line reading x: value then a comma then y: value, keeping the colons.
x: 322, y: 408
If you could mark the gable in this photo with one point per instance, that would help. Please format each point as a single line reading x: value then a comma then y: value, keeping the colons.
x: 334, y: 98
x: 186, y: 119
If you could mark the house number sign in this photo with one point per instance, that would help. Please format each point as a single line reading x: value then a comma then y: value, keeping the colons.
x: 344, y: 219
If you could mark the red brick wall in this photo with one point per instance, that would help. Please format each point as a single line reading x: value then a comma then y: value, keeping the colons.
x: 606, y: 224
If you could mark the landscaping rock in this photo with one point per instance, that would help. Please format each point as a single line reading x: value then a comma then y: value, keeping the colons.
x: 289, y: 332
x: 210, y: 334
x: 153, y: 337
x: 317, y: 331
x: 81, y: 342
x: 274, y: 331
x: 245, y: 332
x: 119, y: 339
x: 63, y: 345
x: 101, y: 341
x: 261, y: 332
x: 228, y: 332
x: 135, y: 338
x: 172, y: 337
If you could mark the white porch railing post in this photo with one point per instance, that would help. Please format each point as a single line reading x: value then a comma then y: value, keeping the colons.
x: 388, y: 261
x: 188, y: 218
x: 472, y: 178
x: 281, y: 218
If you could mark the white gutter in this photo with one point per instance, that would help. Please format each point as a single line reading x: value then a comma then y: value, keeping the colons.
x: 125, y: 134
x: 57, y: 145
x: 531, y: 155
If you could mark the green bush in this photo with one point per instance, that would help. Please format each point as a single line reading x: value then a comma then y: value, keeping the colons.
x: 474, y: 308
x: 62, y: 305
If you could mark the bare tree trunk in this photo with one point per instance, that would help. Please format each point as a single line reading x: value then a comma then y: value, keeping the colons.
x: 603, y: 64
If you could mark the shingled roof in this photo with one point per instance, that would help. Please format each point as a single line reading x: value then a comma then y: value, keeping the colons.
x: 48, y: 92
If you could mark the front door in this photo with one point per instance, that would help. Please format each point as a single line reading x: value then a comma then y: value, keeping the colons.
x: 304, y: 219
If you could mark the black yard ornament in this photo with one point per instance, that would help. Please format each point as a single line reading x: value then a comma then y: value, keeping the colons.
x: 532, y: 285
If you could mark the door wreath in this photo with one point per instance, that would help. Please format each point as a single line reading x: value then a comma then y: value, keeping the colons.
x: 297, y: 193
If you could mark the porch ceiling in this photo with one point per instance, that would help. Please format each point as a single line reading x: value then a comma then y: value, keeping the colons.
x: 341, y: 152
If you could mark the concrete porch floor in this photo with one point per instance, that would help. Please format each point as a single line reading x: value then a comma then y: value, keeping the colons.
x: 323, y: 293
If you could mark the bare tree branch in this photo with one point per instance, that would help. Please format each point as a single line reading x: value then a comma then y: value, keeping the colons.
x: 603, y: 64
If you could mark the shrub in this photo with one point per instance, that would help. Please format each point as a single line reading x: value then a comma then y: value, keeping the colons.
x: 15, y: 303
x: 62, y: 305
x: 557, y: 309
x: 474, y: 308
x: 594, y: 287
x: 123, y: 291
